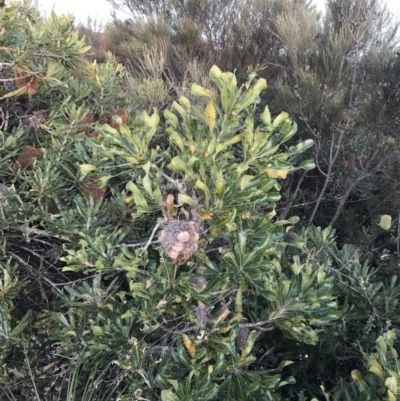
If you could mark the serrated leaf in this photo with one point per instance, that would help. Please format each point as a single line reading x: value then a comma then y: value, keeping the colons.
x: 204, y: 188
x: 137, y: 196
x: 168, y: 395
x: 103, y: 181
x: 215, y: 71
x: 184, y: 101
x: 171, y: 118
x: 147, y: 184
x: 210, y: 115
x: 84, y: 49
x: 391, y: 384
x: 280, y: 118
x: 266, y: 116
x: 189, y: 345
x: 97, y: 330
x: 182, y: 198
x: 391, y: 396
x: 198, y: 90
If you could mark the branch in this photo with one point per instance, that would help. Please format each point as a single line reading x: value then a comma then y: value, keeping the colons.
x: 148, y: 243
x: 181, y: 188
x: 20, y: 260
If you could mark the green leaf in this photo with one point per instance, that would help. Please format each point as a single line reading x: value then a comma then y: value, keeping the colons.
x: 97, y: 330
x: 203, y: 187
x: 301, y: 147
x: 22, y: 325
x: 198, y: 90
x: 17, y: 92
x: 280, y: 118
x: 182, y: 198
x: 168, y: 395
x: 138, y: 196
x: 266, y: 116
x: 60, y: 319
x: 103, y: 181
x: 249, y: 345
x: 307, y: 165
x: 239, y: 302
x: 391, y: 384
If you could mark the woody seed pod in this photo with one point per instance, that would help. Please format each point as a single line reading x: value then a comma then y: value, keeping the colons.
x: 178, y: 247
x: 173, y: 254
x: 183, y: 236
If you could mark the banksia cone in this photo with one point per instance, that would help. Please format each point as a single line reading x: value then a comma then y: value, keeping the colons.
x: 123, y: 115
x: 28, y: 81
x: 346, y: 116
x: 90, y: 188
x: 386, y: 222
x: 179, y: 240
x: 86, y: 121
x: 351, y: 162
x: 93, y: 134
x: 25, y: 158
x: 105, y: 118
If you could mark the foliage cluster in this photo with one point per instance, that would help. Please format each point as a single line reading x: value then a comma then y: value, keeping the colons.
x: 97, y: 159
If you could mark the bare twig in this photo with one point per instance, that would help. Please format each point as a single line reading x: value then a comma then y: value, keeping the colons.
x: 179, y: 186
x: 20, y: 260
x: 148, y: 243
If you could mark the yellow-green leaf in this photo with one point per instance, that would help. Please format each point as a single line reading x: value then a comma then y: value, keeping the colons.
x: 97, y: 330
x: 391, y: 396
x: 87, y: 168
x: 198, y: 90
x: 17, y: 92
x: 282, y: 117
x: 249, y: 345
x: 274, y: 173
x: 182, y: 198
x: 189, y: 345
x: 215, y: 71
x: 266, y: 116
x: 210, y: 115
x: 391, y: 384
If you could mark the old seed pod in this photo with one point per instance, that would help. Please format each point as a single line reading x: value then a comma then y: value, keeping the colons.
x: 183, y: 236
x: 178, y: 247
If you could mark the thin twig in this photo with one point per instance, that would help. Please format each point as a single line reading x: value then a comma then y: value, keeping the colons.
x: 20, y: 260
x: 150, y: 239
x: 176, y: 183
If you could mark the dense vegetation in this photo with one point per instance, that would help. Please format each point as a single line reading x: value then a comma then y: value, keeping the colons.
x: 168, y: 232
